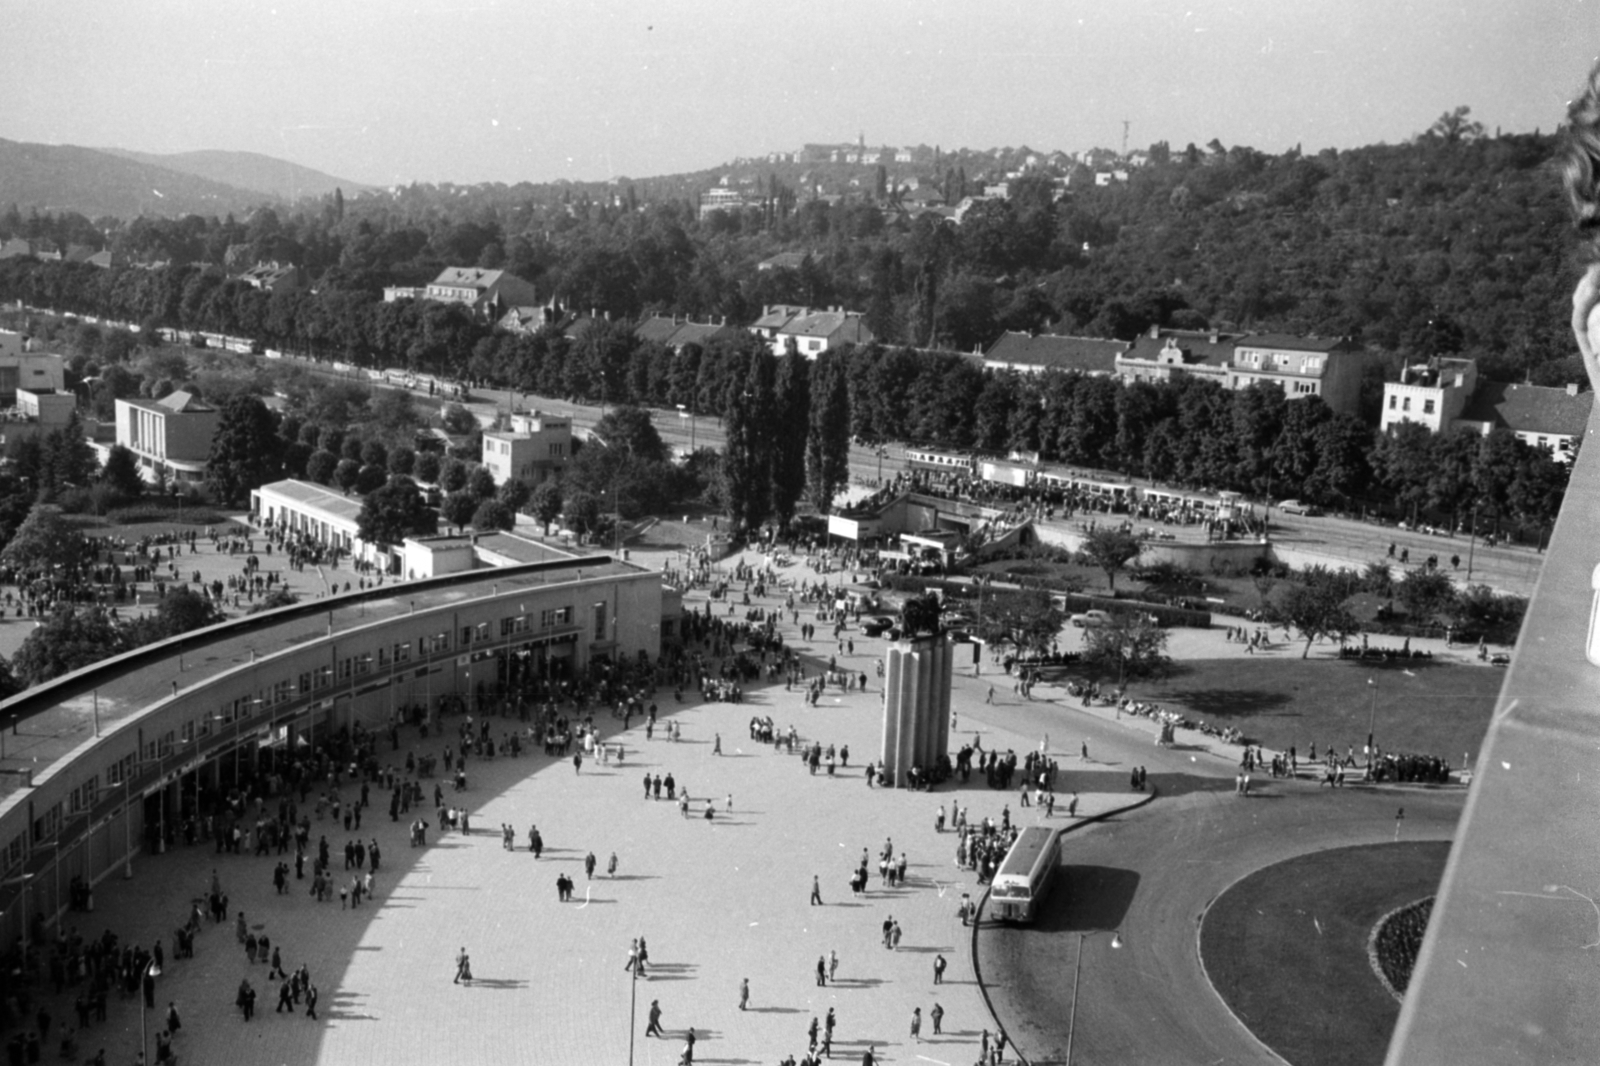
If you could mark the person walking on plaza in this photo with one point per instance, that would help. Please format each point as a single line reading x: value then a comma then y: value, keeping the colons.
x: 916, y: 1024
x: 744, y: 993
x: 311, y: 1003
x: 588, y: 866
x: 937, y: 1017
x: 939, y: 964
x: 822, y: 973
x: 654, y: 1028
x: 833, y: 964
x: 812, y: 1033
x: 611, y: 865
x: 463, y: 967
x: 816, y: 891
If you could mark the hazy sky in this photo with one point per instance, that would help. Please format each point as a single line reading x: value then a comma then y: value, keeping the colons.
x: 386, y: 91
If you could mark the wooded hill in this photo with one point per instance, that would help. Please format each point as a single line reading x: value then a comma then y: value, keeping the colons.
x: 1453, y: 242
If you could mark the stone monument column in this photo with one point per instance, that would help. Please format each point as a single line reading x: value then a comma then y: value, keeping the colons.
x: 916, y: 705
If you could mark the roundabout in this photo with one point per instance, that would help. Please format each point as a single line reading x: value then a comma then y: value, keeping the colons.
x: 1287, y: 948
x: 1154, y: 874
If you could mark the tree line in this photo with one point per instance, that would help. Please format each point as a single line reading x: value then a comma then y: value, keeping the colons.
x: 1441, y: 244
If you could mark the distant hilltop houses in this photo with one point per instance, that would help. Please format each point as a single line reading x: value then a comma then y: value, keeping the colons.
x: 915, y: 179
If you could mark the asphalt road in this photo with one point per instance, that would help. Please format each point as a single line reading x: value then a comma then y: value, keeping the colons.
x: 1151, y: 874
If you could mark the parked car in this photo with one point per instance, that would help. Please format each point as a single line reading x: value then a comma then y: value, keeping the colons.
x: 876, y: 627
x: 1296, y: 507
x: 1090, y: 619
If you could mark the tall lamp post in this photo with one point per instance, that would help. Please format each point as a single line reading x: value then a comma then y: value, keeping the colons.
x: 1372, y: 720
x: 150, y: 972
x: 1077, y: 973
x: 22, y: 879
x: 633, y: 1005
x: 684, y: 412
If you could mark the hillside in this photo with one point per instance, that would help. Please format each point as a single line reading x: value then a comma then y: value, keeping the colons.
x: 258, y: 173
x: 63, y: 178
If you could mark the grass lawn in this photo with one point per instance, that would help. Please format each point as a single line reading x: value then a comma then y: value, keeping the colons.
x: 1423, y: 707
x: 1286, y: 948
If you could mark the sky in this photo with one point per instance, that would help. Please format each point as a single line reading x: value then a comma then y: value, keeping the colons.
x: 390, y: 91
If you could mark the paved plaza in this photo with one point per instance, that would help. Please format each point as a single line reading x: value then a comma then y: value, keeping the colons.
x: 718, y: 901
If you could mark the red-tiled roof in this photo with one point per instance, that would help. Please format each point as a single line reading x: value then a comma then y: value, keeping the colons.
x: 1530, y: 408
x: 1290, y: 343
x: 1087, y: 355
x: 1198, y: 346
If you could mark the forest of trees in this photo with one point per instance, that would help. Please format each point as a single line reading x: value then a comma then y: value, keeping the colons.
x: 1453, y: 242
x: 1449, y: 244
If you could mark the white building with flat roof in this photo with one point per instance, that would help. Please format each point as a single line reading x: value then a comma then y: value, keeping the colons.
x: 534, y: 449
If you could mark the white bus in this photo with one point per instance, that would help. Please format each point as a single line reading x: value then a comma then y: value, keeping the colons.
x: 1026, y: 874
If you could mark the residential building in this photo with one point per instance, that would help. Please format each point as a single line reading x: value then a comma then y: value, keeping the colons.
x: 783, y: 261
x: 392, y: 293
x: 534, y: 449
x: 1302, y: 366
x: 22, y: 369
x: 486, y: 293
x: 674, y: 333
x: 35, y: 412
x: 722, y: 198
x: 172, y: 434
x: 531, y: 318
x: 1031, y: 353
x: 21, y: 247
x: 773, y: 318
x: 812, y: 331
x: 1433, y: 394
x: 1162, y: 354
x: 12, y: 344
x: 274, y: 277
x: 1548, y: 418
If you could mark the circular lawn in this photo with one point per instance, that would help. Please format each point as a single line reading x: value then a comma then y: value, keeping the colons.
x: 1286, y: 948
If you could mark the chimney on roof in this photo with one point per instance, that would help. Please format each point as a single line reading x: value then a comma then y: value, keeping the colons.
x: 1572, y: 388
x: 1215, y: 336
x: 1155, y: 331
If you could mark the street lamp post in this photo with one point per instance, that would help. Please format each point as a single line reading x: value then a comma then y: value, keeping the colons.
x: 1372, y: 719
x: 881, y: 452
x: 1077, y: 973
x: 633, y: 1006
x: 685, y: 412
x: 22, y: 880
x: 150, y: 971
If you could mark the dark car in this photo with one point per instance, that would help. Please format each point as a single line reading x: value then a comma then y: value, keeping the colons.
x: 876, y: 627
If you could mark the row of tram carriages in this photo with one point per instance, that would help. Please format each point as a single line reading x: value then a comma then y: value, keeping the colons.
x: 1022, y: 478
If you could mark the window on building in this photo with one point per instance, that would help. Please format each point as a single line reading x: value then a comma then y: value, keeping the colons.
x: 466, y: 636
x: 402, y: 652
x: 84, y: 796
x: 599, y: 621
x: 47, y: 825
x: 1394, y: 402
x: 14, y: 850
x: 1427, y: 407
x: 1405, y: 405
x: 555, y: 616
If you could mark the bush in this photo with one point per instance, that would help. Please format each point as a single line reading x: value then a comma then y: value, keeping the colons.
x: 1398, y: 940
